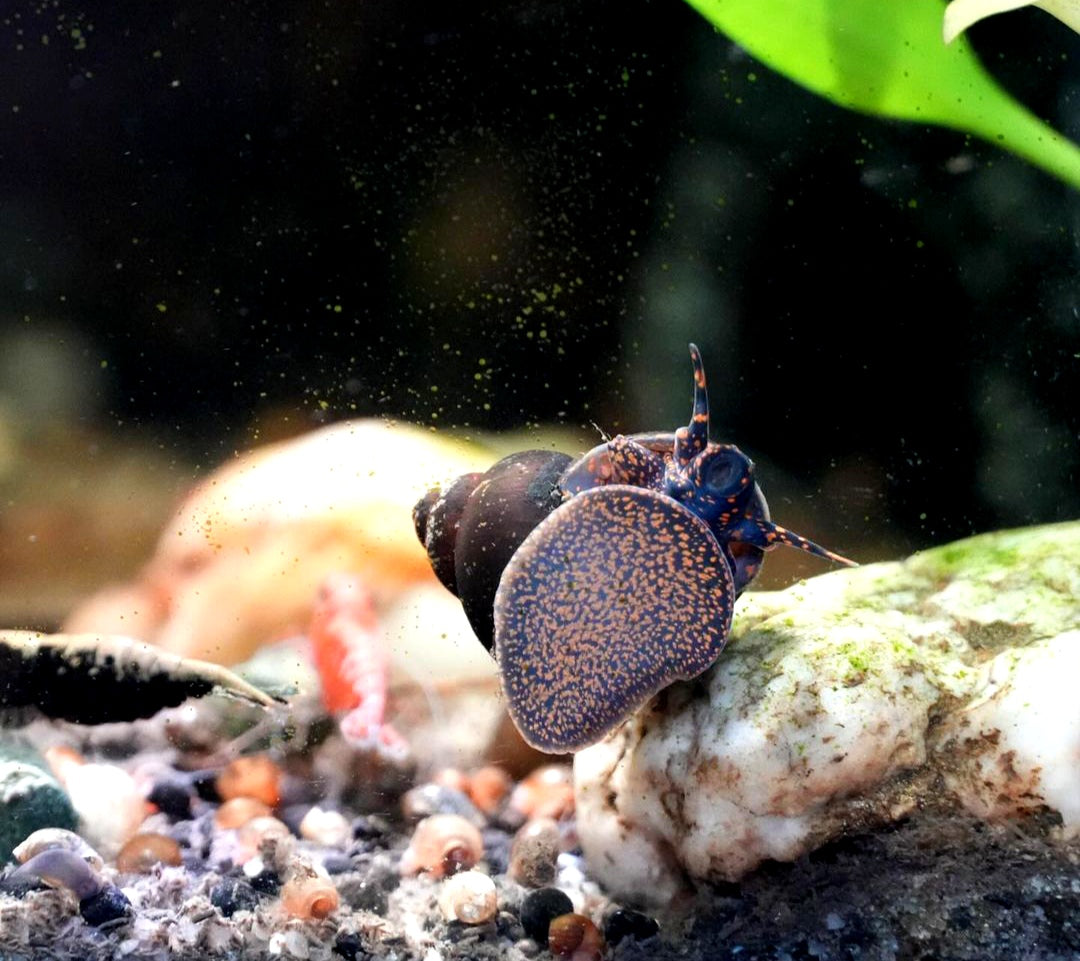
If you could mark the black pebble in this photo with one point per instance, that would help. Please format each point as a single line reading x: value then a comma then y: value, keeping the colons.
x: 540, y: 908
x: 292, y: 815
x: 109, y: 904
x: 337, y: 863
x: 172, y: 798
x: 230, y: 895
x: 371, y: 827
x: 428, y: 799
x: 623, y: 923
x: 205, y: 784
x: 496, y: 849
x: 350, y: 947
x: 266, y: 882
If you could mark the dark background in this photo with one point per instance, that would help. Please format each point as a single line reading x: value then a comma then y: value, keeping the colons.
x: 215, y: 216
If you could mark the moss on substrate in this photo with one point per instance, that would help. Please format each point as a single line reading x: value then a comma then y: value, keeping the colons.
x: 29, y: 799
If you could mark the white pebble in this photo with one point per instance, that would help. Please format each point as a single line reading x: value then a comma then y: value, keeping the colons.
x: 329, y: 828
x: 109, y: 803
x: 468, y: 897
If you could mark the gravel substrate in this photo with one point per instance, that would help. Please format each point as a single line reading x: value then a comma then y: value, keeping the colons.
x: 930, y: 888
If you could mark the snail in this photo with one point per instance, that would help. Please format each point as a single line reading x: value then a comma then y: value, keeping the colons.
x: 599, y: 581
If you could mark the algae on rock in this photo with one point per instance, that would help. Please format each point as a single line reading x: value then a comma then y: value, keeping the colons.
x: 847, y: 700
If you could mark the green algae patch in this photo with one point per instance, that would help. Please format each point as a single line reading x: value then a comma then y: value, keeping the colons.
x: 1001, y: 551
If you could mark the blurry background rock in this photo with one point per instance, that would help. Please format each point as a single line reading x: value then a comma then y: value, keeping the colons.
x: 241, y: 561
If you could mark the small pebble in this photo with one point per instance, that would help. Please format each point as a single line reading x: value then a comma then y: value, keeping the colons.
x: 574, y: 936
x: 534, y: 852
x: 172, y: 798
x: 238, y: 811
x: 369, y: 889
x: 469, y: 897
x: 293, y: 815
x: 263, y: 879
x: 204, y: 783
x: 230, y: 895
x: 326, y: 827
x: 622, y: 923
x: 108, y: 801
x: 452, y: 777
x: 145, y: 850
x: 546, y: 792
x: 371, y: 828
x: 108, y: 905
x: 488, y: 787
x: 254, y: 777
x: 350, y: 947
x: 540, y: 908
x: 496, y: 850
x: 442, y: 844
x: 335, y: 862
x: 431, y: 799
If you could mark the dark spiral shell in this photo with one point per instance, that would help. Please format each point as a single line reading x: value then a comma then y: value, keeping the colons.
x: 472, y: 528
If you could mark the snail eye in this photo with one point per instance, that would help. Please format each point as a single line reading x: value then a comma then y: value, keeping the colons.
x: 724, y: 472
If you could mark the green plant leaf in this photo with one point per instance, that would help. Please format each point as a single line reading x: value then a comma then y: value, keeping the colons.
x: 887, y: 57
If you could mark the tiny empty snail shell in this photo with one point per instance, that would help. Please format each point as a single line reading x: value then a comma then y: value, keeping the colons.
x: 603, y: 580
x: 46, y: 838
x: 469, y: 897
x: 574, y: 936
x: 441, y: 845
x: 309, y: 895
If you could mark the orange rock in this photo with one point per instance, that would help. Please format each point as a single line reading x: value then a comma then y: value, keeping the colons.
x: 253, y: 777
x: 488, y: 787
x: 238, y: 811
x: 547, y: 792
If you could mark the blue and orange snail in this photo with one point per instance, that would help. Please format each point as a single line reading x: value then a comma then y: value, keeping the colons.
x: 600, y: 581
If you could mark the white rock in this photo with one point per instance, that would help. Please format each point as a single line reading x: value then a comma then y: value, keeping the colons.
x: 327, y: 827
x: 1022, y: 753
x: 838, y: 703
x: 109, y: 803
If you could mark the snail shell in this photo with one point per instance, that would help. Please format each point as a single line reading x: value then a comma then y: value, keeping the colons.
x: 472, y: 529
x: 309, y: 895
